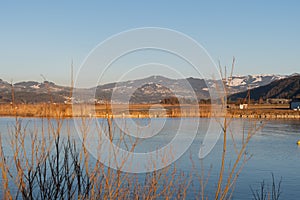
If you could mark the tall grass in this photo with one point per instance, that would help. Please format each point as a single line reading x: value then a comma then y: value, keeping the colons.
x: 48, y: 165
x: 267, y: 193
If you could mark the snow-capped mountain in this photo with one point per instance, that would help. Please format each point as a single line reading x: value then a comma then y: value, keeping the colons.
x: 242, y: 83
x: 158, y: 88
x: 152, y: 89
x: 287, y: 88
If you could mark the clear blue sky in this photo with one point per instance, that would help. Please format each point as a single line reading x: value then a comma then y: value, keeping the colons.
x: 39, y: 37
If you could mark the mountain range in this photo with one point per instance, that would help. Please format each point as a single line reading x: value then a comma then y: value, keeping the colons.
x: 286, y: 88
x: 152, y: 89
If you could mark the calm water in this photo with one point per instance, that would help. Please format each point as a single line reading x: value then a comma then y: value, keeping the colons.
x: 273, y: 150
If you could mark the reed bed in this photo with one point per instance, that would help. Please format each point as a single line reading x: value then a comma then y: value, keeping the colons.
x: 142, y: 111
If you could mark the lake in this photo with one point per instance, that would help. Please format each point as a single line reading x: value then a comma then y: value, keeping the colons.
x: 273, y: 150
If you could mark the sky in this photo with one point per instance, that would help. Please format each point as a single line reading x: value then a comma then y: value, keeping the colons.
x: 45, y: 37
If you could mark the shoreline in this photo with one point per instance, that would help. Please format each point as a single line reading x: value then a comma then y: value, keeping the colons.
x: 144, y: 111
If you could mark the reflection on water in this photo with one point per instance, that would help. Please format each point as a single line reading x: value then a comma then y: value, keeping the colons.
x: 273, y: 150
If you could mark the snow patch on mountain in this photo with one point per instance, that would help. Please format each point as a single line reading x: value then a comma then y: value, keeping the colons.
x: 35, y: 86
x: 257, y: 79
x: 236, y: 82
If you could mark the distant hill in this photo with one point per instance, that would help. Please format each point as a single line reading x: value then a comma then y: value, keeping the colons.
x: 33, y: 92
x: 286, y: 88
x: 153, y: 89
x: 156, y: 88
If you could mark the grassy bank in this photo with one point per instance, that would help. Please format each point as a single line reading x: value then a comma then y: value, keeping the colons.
x: 266, y: 111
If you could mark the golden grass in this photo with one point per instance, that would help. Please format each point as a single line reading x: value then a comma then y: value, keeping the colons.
x: 142, y: 111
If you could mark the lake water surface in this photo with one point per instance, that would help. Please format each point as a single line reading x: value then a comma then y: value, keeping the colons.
x: 273, y: 150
